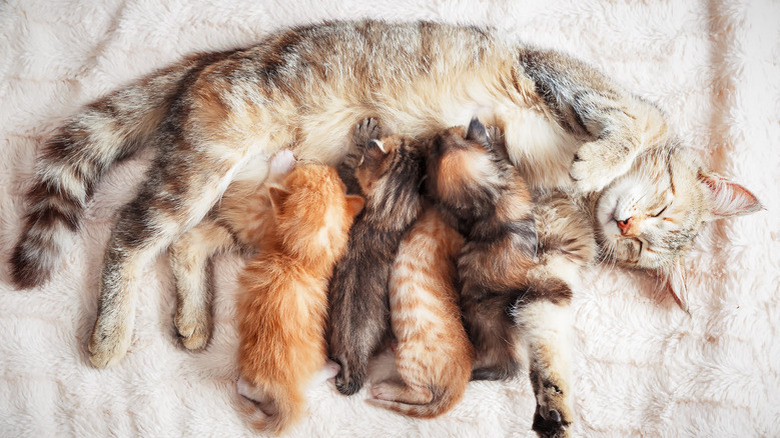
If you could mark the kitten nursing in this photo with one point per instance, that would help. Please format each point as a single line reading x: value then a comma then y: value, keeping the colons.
x: 282, y: 315
x: 215, y: 119
x: 389, y: 176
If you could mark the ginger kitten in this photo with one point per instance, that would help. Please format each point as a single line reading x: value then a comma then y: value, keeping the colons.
x: 433, y: 354
x: 283, y: 311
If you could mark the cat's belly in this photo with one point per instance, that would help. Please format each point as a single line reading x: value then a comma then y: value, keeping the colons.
x: 540, y: 148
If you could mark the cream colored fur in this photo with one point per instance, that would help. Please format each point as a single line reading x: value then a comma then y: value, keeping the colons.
x: 640, y: 365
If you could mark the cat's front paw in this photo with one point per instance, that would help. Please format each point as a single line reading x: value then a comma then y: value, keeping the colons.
x: 597, y: 163
x: 366, y: 131
x: 553, y: 416
x: 109, y: 341
x: 193, y: 327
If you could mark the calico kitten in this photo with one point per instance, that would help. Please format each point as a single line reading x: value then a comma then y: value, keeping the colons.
x: 282, y: 315
x: 433, y: 353
x: 215, y: 118
x: 389, y: 176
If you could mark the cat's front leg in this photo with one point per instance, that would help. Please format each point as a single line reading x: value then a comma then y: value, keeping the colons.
x: 597, y: 163
x: 544, y: 316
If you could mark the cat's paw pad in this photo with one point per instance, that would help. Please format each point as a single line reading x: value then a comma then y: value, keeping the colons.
x: 366, y: 131
x: 330, y: 370
x: 193, y: 328
x: 596, y: 164
x: 108, y: 343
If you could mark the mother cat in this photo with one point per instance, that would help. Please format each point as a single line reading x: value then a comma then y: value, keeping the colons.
x: 216, y: 118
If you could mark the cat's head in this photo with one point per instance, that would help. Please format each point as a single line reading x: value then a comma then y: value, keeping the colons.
x: 465, y: 172
x: 313, y: 212
x: 649, y: 217
x: 389, y: 175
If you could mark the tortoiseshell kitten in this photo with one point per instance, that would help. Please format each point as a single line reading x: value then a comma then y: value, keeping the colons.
x: 511, y: 315
x: 389, y: 176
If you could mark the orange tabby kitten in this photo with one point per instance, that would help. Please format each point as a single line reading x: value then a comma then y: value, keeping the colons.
x: 282, y: 316
x: 434, y: 355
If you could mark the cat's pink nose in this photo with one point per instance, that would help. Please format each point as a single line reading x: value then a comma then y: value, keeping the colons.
x: 624, y: 226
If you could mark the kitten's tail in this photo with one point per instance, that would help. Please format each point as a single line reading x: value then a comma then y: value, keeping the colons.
x: 103, y: 133
x: 277, y: 407
x: 444, y: 399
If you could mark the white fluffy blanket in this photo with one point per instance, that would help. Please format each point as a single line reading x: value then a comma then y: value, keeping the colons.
x: 642, y: 366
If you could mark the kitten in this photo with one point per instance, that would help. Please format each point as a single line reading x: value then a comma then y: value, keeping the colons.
x: 282, y: 315
x: 389, y: 176
x: 512, y: 316
x: 433, y: 355
x: 213, y: 118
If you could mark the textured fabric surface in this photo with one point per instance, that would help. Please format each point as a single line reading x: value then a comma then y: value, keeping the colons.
x: 642, y: 366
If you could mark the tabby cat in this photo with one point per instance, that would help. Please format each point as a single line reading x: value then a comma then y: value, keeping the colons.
x: 240, y: 222
x: 215, y: 118
x: 282, y: 314
x: 433, y: 354
x: 522, y: 260
x: 389, y: 175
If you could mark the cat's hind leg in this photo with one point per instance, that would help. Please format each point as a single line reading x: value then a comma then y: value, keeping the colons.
x: 190, y: 259
x: 182, y: 187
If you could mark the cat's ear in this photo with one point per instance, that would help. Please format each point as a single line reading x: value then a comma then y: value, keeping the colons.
x: 375, y: 152
x: 675, y: 283
x: 278, y: 196
x: 354, y: 205
x: 478, y: 133
x: 727, y: 198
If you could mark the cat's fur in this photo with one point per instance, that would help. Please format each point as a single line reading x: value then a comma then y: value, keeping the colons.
x: 515, y: 307
x: 238, y: 223
x: 215, y: 118
x: 515, y: 299
x: 282, y: 314
x: 433, y: 354
x: 358, y: 324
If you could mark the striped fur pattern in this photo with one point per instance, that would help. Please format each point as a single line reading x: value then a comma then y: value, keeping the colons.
x: 358, y: 324
x: 241, y: 222
x: 283, y: 311
x: 216, y: 118
x: 433, y: 353
x: 515, y: 306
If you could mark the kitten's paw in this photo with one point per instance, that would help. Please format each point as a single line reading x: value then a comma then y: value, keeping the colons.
x: 347, y: 383
x: 596, y: 164
x: 330, y: 370
x: 553, y: 416
x: 193, y: 327
x: 366, y: 131
x: 384, y: 391
x: 109, y: 342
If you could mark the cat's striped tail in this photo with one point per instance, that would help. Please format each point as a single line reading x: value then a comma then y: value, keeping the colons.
x: 72, y: 163
x: 443, y: 400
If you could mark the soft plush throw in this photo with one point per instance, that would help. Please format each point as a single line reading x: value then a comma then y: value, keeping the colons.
x: 642, y: 365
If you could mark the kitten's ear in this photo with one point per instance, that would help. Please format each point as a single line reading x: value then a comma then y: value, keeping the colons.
x: 278, y: 196
x: 375, y: 151
x: 354, y: 205
x: 478, y: 133
x: 674, y: 280
x: 727, y: 198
